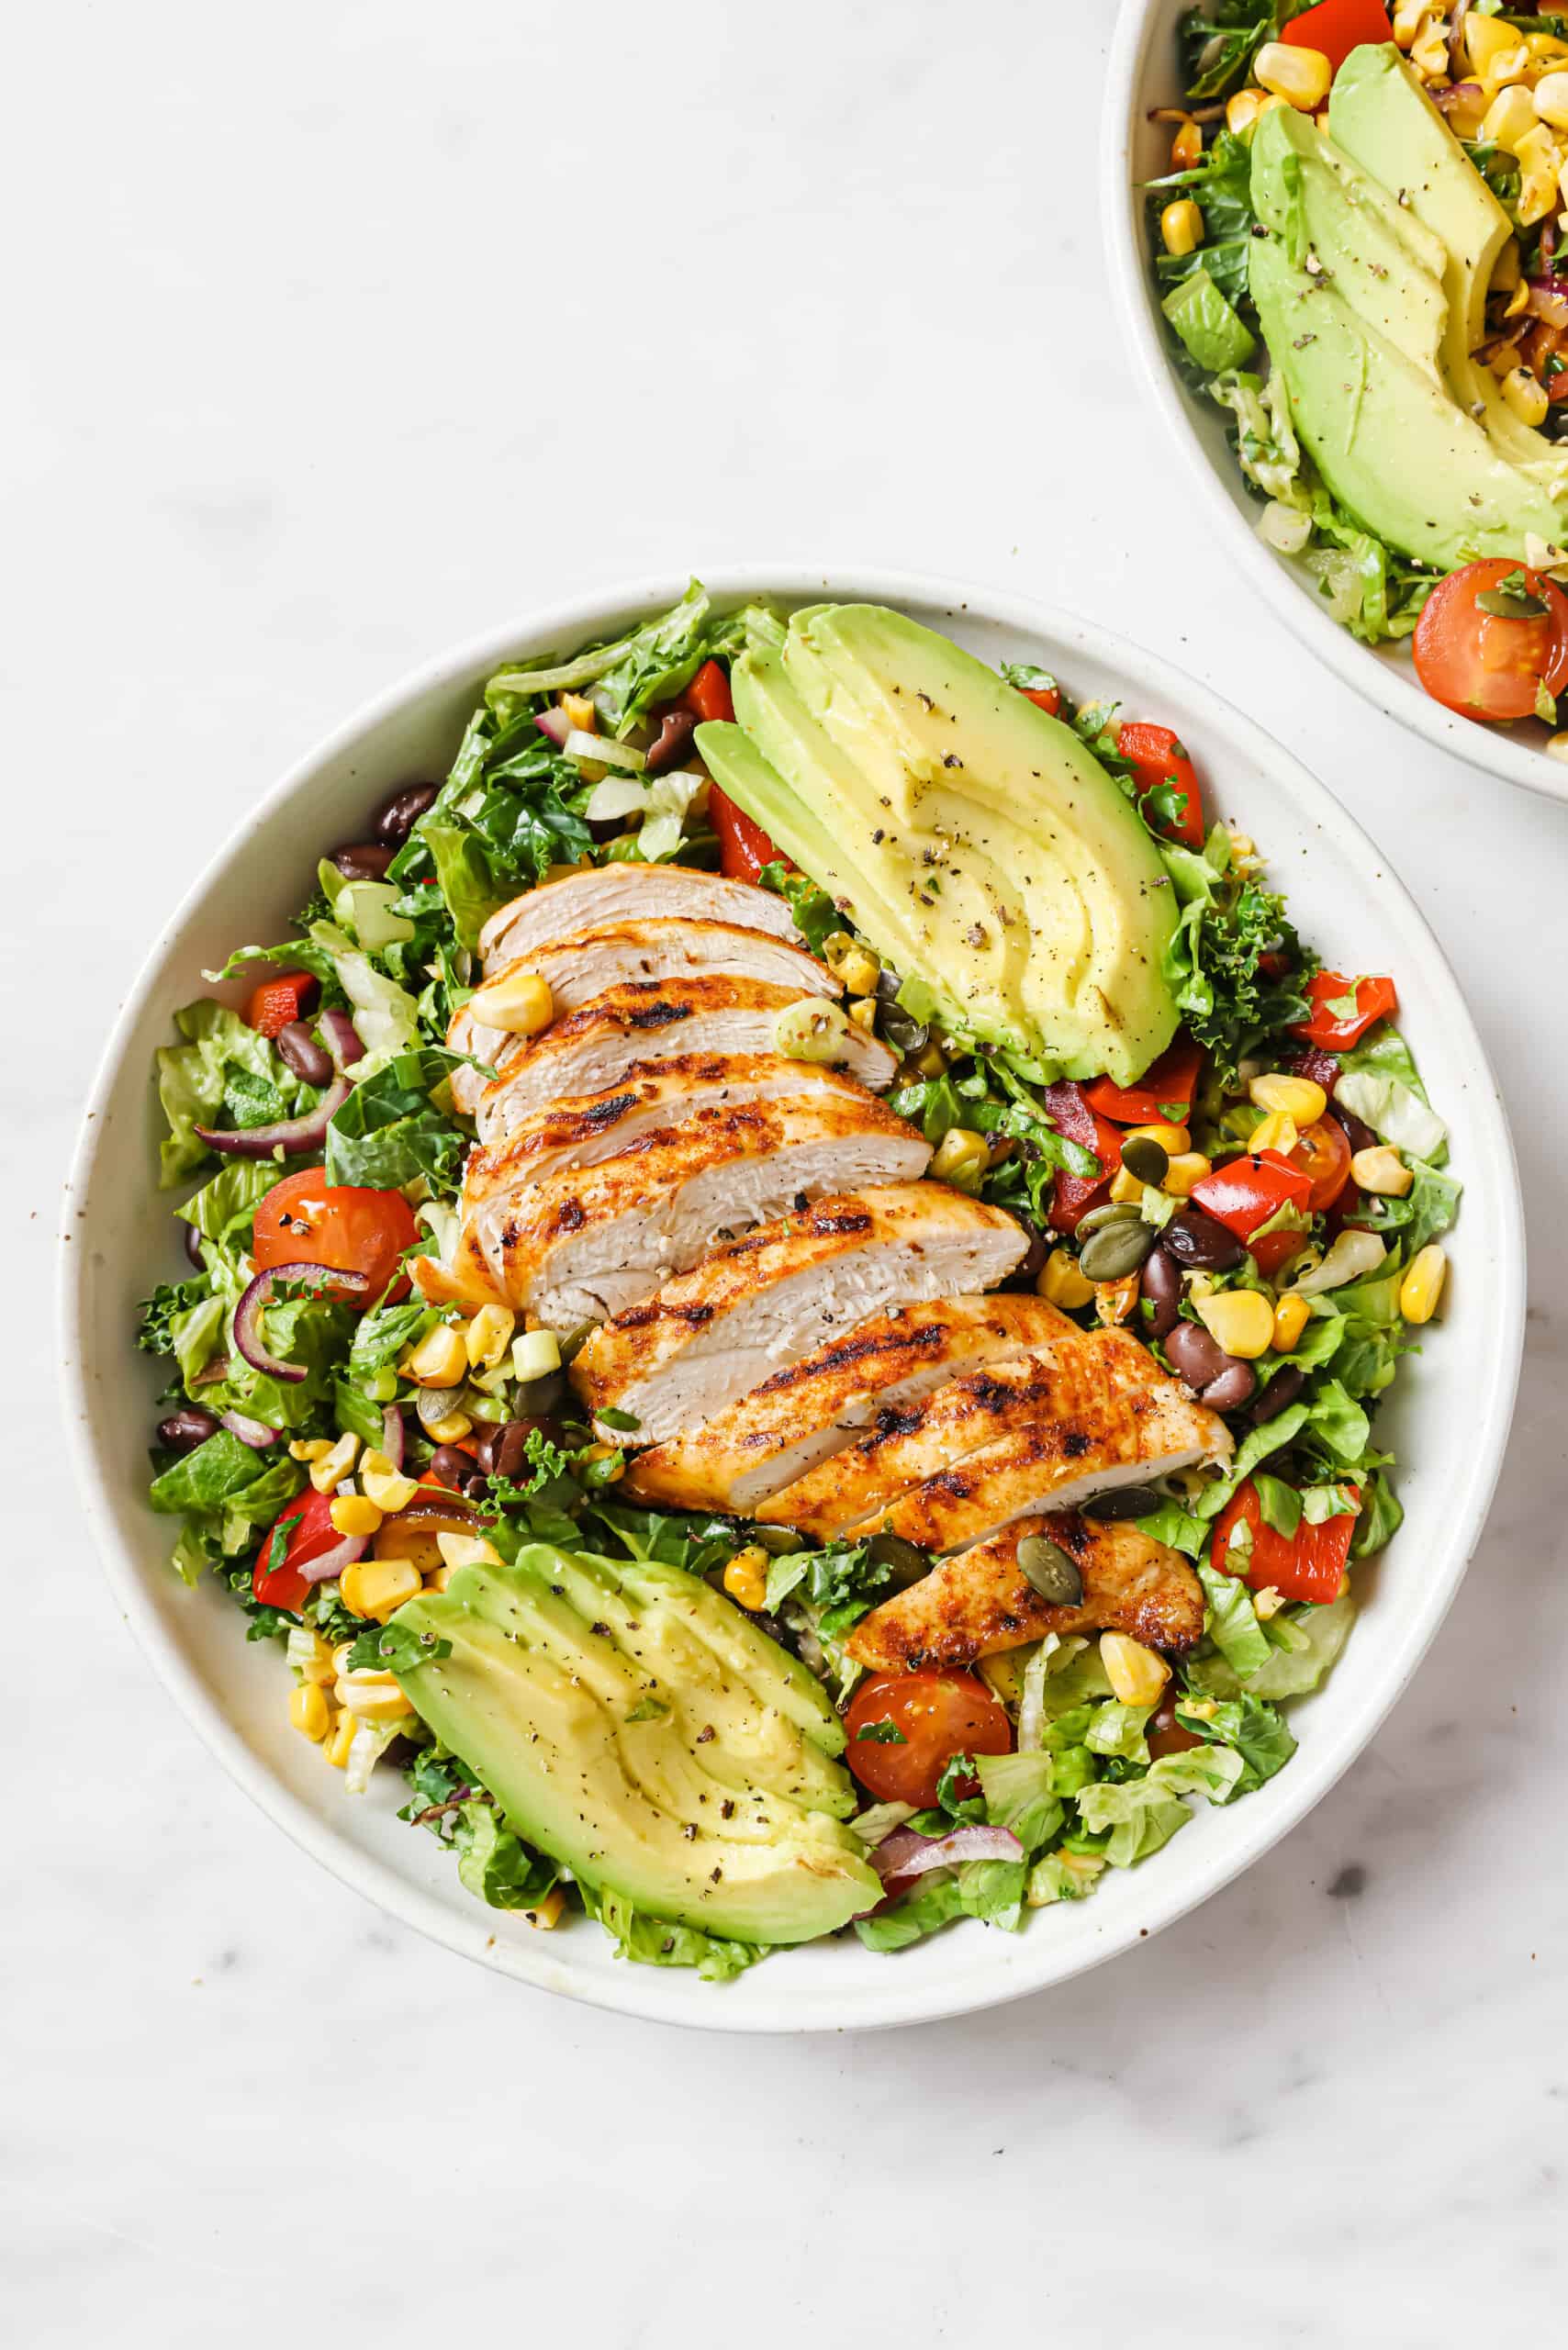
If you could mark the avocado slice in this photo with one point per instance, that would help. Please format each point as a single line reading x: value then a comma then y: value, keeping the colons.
x: 1368, y: 310
x: 976, y: 843
x: 671, y: 1792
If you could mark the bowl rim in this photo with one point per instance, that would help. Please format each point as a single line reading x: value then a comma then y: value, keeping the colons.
x: 1389, y: 684
x: 650, y: 1992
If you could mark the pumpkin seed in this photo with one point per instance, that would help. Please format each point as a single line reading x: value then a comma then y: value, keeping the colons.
x: 1047, y: 1567
x: 778, y: 1541
x: 1147, y: 1160
x: 909, y: 1562
x: 434, y: 1405
x: 1115, y: 1250
x: 1111, y: 1211
x: 1127, y: 1501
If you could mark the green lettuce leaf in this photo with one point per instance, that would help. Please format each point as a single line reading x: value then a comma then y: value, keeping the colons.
x: 653, y: 1941
x: 1233, y: 1622
x: 224, y: 1072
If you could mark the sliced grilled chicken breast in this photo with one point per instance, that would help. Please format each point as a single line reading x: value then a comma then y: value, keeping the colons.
x: 588, y: 1243
x: 1115, y: 1419
x: 805, y: 1414
x: 670, y: 1094
x: 597, y: 1047
x: 584, y: 965
x: 980, y: 1602
x: 616, y: 894
x: 766, y: 1301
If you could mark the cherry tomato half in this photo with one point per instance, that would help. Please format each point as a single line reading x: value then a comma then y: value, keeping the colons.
x: 286, y: 997
x: 1323, y: 1156
x: 744, y: 847
x: 309, y: 1534
x: 345, y: 1224
x: 936, y: 1716
x: 1485, y: 664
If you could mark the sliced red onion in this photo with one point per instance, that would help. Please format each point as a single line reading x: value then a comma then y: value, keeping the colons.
x: 556, y: 724
x: 907, y: 1853
x: 247, y: 1335
x: 392, y: 1438
x: 341, y: 1039
x: 326, y: 1568
x: 293, y: 1136
x: 1467, y: 94
x: 1547, y: 300
x: 255, y: 1433
x: 211, y: 1372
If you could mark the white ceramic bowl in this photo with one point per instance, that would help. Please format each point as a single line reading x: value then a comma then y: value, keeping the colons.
x: 1143, y: 74
x: 1448, y: 1420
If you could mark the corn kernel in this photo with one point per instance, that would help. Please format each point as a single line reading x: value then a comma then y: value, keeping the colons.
x: 1429, y: 51
x: 1181, y: 226
x: 450, y: 1430
x: 1486, y: 42
x: 311, y: 1656
x: 441, y: 1359
x: 340, y: 1741
x: 547, y: 1913
x: 466, y: 1550
x: 1240, y: 1320
x: 1525, y: 395
x: 310, y: 1447
x: 386, y: 1486
x: 580, y: 713
x: 960, y: 1153
x: 1173, y: 1141
x: 1551, y: 100
x: 1060, y: 1283
x: 517, y: 1001
x: 1136, y: 1674
x: 1290, y: 1318
x: 328, y: 1472
x: 1187, y: 147
x: 1266, y: 1602
x: 488, y: 1336
x: 1243, y: 109
x: 1186, y: 1172
x: 309, y: 1712
x: 745, y: 1577
x: 374, y: 1587
x: 1278, y: 1131
x: 1510, y: 118
x: 1381, y: 1171
x: 1300, y: 76
x: 1557, y: 747
x: 1408, y: 18
x: 930, y: 1061
x: 1423, y: 1284
x: 1125, y: 1187
x: 860, y: 971
x: 438, y: 1578
x: 1113, y: 1301
x: 1298, y: 1097
x: 356, y: 1514
x: 373, y: 1696
x: 1545, y: 49
x: 862, y: 1010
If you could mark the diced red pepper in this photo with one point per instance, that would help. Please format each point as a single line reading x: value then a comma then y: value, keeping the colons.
x: 1337, y: 26
x: 308, y: 1535
x: 1245, y: 1192
x: 1164, y: 1088
x: 1155, y: 757
x: 1072, y: 1196
x: 1375, y: 999
x: 708, y: 695
x: 271, y: 1007
x: 1307, y: 1564
x: 1045, y: 698
x: 744, y: 847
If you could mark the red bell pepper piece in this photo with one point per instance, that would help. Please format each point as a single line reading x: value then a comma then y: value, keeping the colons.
x: 744, y: 847
x: 306, y: 1525
x: 1245, y: 1192
x: 1376, y: 999
x: 1073, y: 1195
x: 1155, y: 757
x: 1045, y: 698
x: 1307, y: 1564
x: 708, y: 695
x: 1337, y: 26
x: 1163, y: 1093
x: 271, y: 1007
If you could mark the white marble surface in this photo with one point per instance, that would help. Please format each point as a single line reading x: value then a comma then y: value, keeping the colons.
x: 339, y: 331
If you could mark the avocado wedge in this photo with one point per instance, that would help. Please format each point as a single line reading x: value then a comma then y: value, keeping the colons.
x: 661, y: 1754
x: 975, y: 841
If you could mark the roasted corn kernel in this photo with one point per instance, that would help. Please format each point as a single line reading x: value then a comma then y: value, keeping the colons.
x: 1297, y: 1097
x: 328, y: 1470
x: 1186, y: 148
x: 1136, y: 1674
x: 1060, y: 1283
x: 386, y: 1486
x: 1381, y: 1171
x: 745, y: 1577
x: 356, y: 1514
x: 440, y: 1357
x: 340, y: 1740
x: 1278, y: 1132
x: 374, y: 1696
x: 580, y: 713
x: 1525, y: 395
x: 517, y: 1001
x: 487, y: 1337
x: 1423, y: 1284
x: 1186, y: 1172
x: 1125, y: 1187
x: 450, y: 1430
x: 373, y: 1587
x: 1291, y: 1315
x: 1181, y: 226
x: 309, y: 1712
x: 1243, y: 107
x: 1300, y: 76
x: 1240, y: 1320
x: 1113, y: 1301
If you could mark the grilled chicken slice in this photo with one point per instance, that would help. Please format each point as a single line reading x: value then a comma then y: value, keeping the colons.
x: 659, y: 1094
x: 1115, y: 1418
x: 805, y: 1414
x: 980, y: 1602
x: 584, y: 965
x: 616, y: 894
x: 767, y: 1300
x: 588, y: 1243
x: 598, y: 1047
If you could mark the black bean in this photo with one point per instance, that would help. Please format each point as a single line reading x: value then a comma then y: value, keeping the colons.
x: 1232, y: 1389
x: 674, y: 741
x: 187, y: 1427
x: 397, y: 817
x: 1196, y: 1241
x: 193, y: 1248
x: 1123, y: 1501
x: 457, y: 1470
x: 1115, y: 1250
x: 1358, y: 1134
x: 1027, y: 1271
x: 363, y: 861
x: 1197, y: 1357
x: 1282, y: 1389
x: 1161, y: 1288
x: 305, y: 1057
